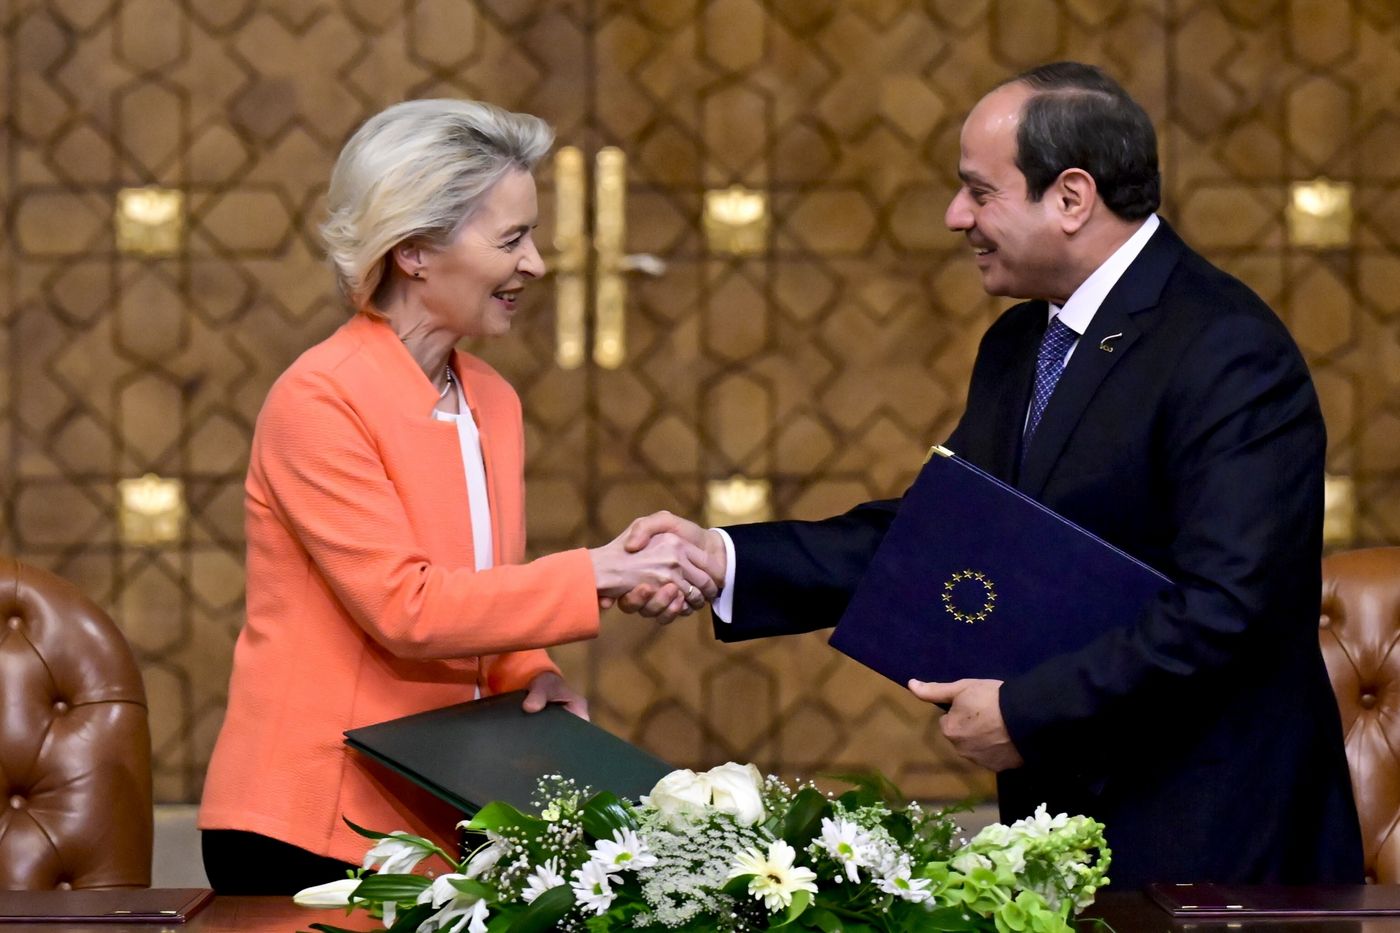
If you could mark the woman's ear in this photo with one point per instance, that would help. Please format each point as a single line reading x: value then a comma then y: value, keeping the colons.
x: 410, y: 258
x: 1075, y: 195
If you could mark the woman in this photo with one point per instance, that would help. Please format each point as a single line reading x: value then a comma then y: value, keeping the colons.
x: 384, y: 507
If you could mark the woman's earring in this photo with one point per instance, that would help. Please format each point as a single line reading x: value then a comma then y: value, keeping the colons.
x: 418, y: 273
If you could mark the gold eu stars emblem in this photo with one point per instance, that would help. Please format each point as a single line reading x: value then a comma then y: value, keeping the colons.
x: 971, y: 579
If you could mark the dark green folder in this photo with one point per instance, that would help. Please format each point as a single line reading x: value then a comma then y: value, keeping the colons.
x: 474, y: 753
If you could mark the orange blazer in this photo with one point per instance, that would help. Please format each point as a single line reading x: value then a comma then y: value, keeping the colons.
x: 363, y: 599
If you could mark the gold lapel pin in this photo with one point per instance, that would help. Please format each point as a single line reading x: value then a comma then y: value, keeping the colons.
x: 1106, y: 344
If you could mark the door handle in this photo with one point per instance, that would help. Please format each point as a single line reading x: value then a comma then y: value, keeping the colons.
x: 609, y: 239
x: 570, y: 259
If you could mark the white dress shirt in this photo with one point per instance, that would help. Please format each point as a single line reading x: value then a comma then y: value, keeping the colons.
x: 1076, y: 314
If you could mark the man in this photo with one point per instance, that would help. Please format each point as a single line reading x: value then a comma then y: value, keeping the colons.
x: 1157, y: 401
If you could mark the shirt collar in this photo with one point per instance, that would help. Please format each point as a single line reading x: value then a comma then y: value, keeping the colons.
x: 1079, y: 310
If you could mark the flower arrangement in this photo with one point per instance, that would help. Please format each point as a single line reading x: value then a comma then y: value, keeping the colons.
x: 730, y: 850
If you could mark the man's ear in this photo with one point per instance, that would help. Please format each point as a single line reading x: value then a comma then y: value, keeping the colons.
x: 1075, y: 196
x: 410, y: 257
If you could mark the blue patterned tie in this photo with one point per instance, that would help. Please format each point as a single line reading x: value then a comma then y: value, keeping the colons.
x: 1049, y: 365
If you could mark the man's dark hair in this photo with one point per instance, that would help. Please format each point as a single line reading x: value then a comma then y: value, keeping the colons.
x: 1079, y: 117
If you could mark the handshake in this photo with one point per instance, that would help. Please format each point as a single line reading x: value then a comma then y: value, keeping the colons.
x: 662, y: 566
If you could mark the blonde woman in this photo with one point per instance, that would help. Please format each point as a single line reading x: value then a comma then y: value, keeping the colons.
x: 385, y: 507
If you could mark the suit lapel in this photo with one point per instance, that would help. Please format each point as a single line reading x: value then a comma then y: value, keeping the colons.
x: 1109, y: 338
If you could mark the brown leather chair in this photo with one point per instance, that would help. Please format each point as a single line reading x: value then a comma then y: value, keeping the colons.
x: 75, y: 744
x: 1360, y: 632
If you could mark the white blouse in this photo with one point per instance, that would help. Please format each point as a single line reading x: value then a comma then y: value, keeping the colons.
x: 475, y: 469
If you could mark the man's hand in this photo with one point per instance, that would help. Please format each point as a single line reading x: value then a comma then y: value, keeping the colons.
x: 664, y: 603
x: 973, y: 722
x: 548, y: 687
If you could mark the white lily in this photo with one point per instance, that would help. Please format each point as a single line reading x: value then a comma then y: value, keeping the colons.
x: 397, y: 853
x: 775, y: 878
x: 1041, y: 823
x: 441, y: 890
x: 455, y: 905
x: 484, y: 859
x: 330, y: 894
x: 450, y: 918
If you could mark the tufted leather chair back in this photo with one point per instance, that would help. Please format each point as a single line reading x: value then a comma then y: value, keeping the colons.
x: 75, y: 745
x: 1360, y: 633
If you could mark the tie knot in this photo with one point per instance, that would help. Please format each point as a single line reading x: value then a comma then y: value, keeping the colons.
x: 1057, y: 340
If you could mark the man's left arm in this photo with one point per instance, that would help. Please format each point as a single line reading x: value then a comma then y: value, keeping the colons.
x: 1245, y: 447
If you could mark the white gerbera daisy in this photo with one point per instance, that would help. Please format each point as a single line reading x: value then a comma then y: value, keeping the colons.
x: 544, y: 878
x: 623, y: 852
x: 593, y: 887
x: 775, y: 878
x: 847, y: 844
x: 901, y: 885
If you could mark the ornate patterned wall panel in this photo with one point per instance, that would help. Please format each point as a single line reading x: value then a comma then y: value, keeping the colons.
x: 826, y: 365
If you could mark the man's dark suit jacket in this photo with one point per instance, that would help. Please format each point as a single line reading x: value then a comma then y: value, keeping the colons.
x: 1185, y: 430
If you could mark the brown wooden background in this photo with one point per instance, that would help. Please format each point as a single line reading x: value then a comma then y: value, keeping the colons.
x: 827, y: 365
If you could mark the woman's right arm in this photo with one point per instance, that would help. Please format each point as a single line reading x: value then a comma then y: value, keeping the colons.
x: 317, y: 468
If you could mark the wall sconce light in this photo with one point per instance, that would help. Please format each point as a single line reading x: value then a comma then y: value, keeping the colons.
x: 1319, y: 213
x: 1338, y: 511
x: 152, y: 510
x: 738, y: 500
x: 736, y: 221
x: 150, y: 221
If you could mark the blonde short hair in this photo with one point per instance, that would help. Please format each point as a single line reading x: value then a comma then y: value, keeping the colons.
x: 418, y: 170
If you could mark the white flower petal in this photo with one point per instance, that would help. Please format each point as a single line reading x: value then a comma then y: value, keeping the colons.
x: 330, y: 894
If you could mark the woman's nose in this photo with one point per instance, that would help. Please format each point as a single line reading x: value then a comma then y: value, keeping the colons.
x: 531, y: 262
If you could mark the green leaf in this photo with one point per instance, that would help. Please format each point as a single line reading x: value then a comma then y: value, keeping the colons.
x: 738, y: 885
x: 605, y: 813
x: 804, y: 818
x: 871, y: 787
x: 498, y: 816
x: 801, y: 900
x: 367, y: 833
x: 408, y: 920
x: 473, y: 887
x: 952, y: 920
x: 545, y: 911
x: 390, y: 888
x: 825, y: 920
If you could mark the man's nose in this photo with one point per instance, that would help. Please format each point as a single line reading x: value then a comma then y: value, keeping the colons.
x: 959, y: 213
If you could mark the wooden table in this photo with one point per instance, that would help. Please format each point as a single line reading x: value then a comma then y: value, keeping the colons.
x: 1133, y: 912
x: 1125, y: 911
x: 222, y: 915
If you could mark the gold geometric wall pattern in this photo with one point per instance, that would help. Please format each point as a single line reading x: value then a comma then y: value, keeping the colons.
x: 825, y: 365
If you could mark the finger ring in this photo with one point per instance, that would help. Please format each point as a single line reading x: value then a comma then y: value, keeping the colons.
x: 689, y: 589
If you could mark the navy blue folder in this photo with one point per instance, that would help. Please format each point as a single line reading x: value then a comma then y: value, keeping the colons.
x: 977, y: 579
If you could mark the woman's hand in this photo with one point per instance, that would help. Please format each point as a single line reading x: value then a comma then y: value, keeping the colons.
x: 548, y: 687
x: 666, y: 559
